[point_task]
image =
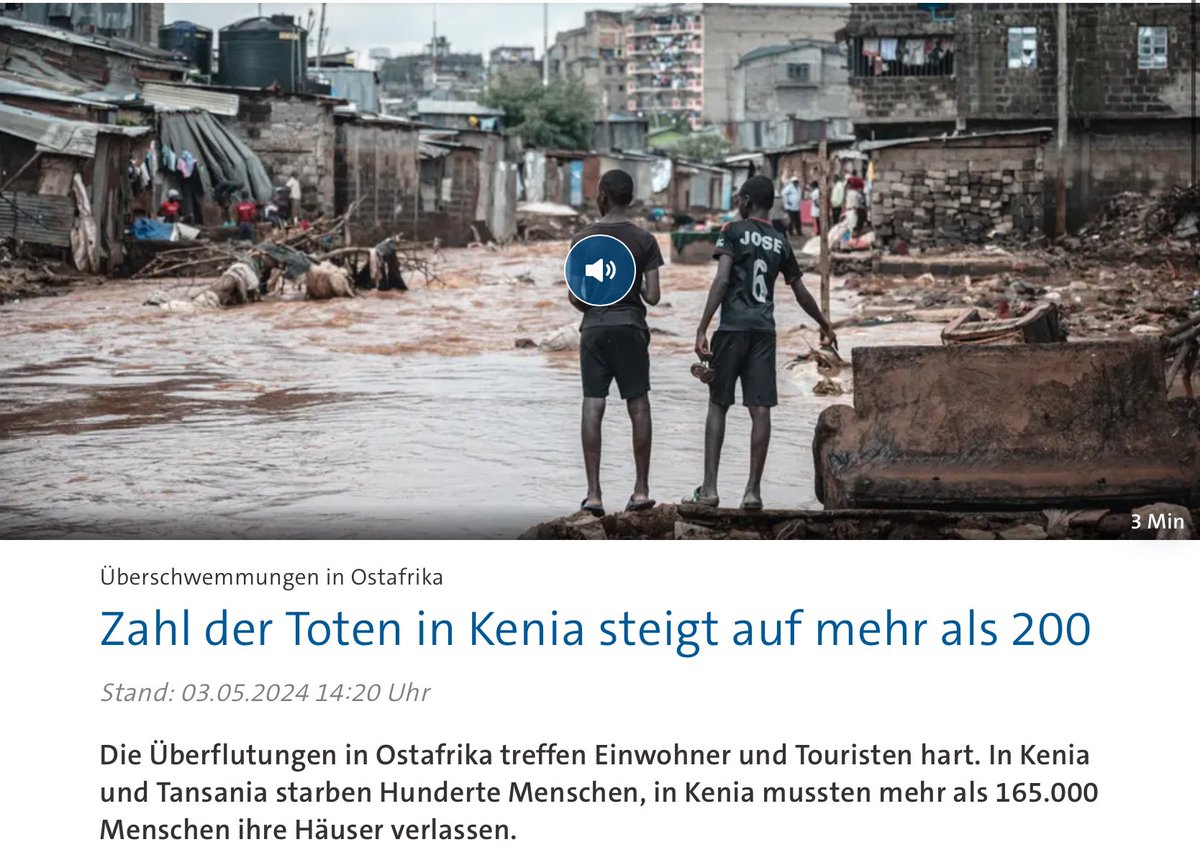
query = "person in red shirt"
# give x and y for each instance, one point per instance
(169, 209)
(245, 212)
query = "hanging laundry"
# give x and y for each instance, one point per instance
(887, 49)
(186, 164)
(914, 54)
(870, 47)
(168, 159)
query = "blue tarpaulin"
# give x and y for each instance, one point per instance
(151, 229)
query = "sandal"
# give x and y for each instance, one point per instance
(704, 372)
(644, 505)
(594, 510)
(696, 499)
(751, 504)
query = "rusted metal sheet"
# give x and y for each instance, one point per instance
(169, 97)
(1007, 427)
(41, 219)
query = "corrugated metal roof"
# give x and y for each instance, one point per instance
(56, 135)
(439, 106)
(870, 146)
(151, 56)
(432, 151)
(168, 97)
(13, 87)
(44, 219)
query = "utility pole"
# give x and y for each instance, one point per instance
(321, 37)
(433, 47)
(825, 212)
(545, 45)
(1060, 196)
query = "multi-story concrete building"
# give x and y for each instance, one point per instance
(512, 58)
(595, 54)
(992, 67)
(790, 94)
(681, 57)
(436, 73)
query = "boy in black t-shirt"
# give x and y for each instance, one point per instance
(751, 254)
(614, 342)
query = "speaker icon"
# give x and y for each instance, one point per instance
(600, 270)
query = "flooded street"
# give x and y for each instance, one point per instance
(391, 415)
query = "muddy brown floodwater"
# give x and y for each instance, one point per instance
(393, 415)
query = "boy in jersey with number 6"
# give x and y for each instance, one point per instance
(750, 255)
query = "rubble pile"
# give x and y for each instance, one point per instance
(1136, 227)
(21, 278)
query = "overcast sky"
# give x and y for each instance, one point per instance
(406, 27)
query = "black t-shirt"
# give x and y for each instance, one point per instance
(760, 254)
(630, 309)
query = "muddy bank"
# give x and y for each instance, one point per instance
(695, 522)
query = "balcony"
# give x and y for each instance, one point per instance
(656, 51)
(691, 88)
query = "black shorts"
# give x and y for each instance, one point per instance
(616, 351)
(748, 355)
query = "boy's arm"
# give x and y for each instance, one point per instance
(651, 261)
(810, 306)
(651, 292)
(716, 293)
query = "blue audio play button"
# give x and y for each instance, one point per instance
(600, 270)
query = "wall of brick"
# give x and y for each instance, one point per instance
(1113, 157)
(1104, 78)
(987, 88)
(375, 165)
(292, 133)
(967, 192)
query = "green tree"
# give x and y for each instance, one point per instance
(558, 116)
(707, 147)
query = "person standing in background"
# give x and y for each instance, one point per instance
(792, 196)
(837, 196)
(293, 186)
(816, 207)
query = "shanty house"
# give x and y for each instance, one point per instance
(44, 163)
(375, 171)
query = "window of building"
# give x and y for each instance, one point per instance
(1152, 48)
(1022, 47)
(798, 73)
(901, 56)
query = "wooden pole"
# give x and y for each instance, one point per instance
(825, 211)
(1060, 197)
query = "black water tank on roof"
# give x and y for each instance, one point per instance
(191, 40)
(260, 52)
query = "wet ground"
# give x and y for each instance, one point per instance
(391, 415)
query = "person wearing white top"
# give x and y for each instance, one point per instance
(293, 185)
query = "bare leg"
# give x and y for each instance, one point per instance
(639, 418)
(760, 440)
(714, 440)
(593, 414)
